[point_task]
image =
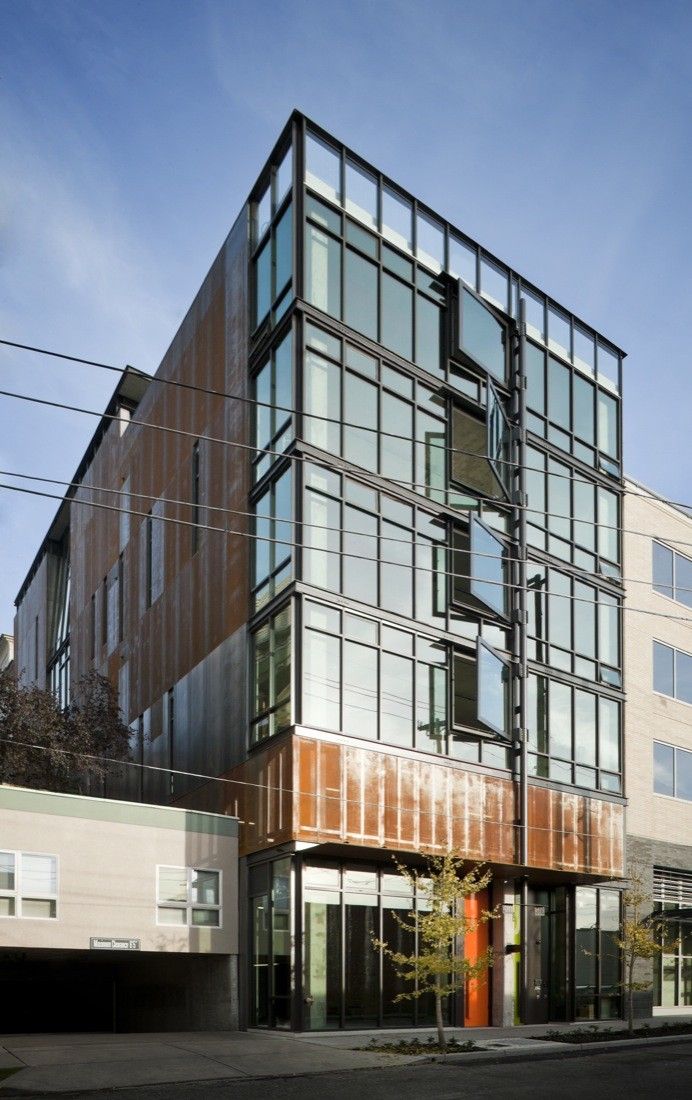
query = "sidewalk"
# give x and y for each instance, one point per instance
(71, 1063)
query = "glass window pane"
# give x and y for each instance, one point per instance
(608, 630)
(482, 336)
(663, 569)
(396, 570)
(560, 720)
(396, 700)
(494, 283)
(683, 774)
(584, 353)
(608, 542)
(360, 690)
(38, 907)
(397, 316)
(322, 523)
(361, 194)
(283, 245)
(205, 918)
(205, 887)
(608, 425)
(281, 668)
(430, 242)
(559, 331)
(535, 374)
(608, 366)
(683, 676)
(321, 679)
(320, 617)
(663, 669)
(487, 567)
(172, 916)
(558, 393)
(397, 219)
(397, 447)
(584, 620)
(683, 580)
(360, 572)
(263, 215)
(284, 176)
(322, 168)
(7, 871)
(360, 294)
(173, 884)
(585, 509)
(535, 313)
(462, 261)
(359, 629)
(431, 708)
(322, 399)
(609, 735)
(493, 678)
(583, 408)
(584, 727)
(560, 610)
(322, 271)
(360, 408)
(263, 282)
(39, 875)
(428, 334)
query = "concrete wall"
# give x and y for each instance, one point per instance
(108, 853)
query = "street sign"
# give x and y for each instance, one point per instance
(106, 943)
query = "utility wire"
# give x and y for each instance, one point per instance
(427, 543)
(253, 401)
(330, 550)
(265, 787)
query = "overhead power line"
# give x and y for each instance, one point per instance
(449, 574)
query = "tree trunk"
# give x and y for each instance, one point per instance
(438, 1017)
(630, 996)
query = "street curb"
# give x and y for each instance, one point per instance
(469, 1058)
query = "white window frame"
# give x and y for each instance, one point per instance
(188, 905)
(663, 694)
(676, 749)
(18, 893)
(676, 554)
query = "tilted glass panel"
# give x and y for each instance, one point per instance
(498, 438)
(493, 689)
(487, 568)
(481, 335)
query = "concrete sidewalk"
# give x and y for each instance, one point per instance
(73, 1063)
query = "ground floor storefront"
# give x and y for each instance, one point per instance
(313, 964)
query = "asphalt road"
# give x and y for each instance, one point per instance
(635, 1074)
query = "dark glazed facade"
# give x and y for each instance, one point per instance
(396, 629)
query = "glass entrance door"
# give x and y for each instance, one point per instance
(547, 956)
(270, 945)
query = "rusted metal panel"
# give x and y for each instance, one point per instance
(575, 832)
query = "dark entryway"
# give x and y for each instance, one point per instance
(547, 926)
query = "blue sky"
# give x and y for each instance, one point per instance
(559, 134)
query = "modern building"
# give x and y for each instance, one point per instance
(658, 669)
(115, 915)
(365, 577)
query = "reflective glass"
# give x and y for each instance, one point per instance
(608, 542)
(281, 668)
(559, 331)
(494, 283)
(482, 336)
(584, 727)
(663, 669)
(397, 316)
(560, 720)
(583, 393)
(584, 620)
(205, 887)
(7, 872)
(323, 271)
(284, 176)
(558, 393)
(584, 349)
(360, 690)
(430, 242)
(360, 409)
(397, 219)
(462, 261)
(535, 313)
(428, 334)
(608, 425)
(608, 630)
(322, 168)
(396, 688)
(584, 513)
(322, 522)
(39, 875)
(321, 692)
(361, 239)
(397, 453)
(493, 676)
(396, 573)
(263, 215)
(360, 571)
(683, 774)
(431, 708)
(560, 610)
(324, 215)
(663, 569)
(683, 676)
(172, 884)
(263, 285)
(360, 294)
(535, 375)
(609, 734)
(608, 366)
(361, 194)
(683, 580)
(323, 400)
(487, 567)
(283, 249)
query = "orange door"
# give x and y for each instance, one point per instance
(477, 999)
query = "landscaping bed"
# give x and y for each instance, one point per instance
(420, 1046)
(596, 1034)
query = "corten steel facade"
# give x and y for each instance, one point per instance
(407, 636)
(658, 655)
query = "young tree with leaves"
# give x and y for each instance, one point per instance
(71, 746)
(439, 923)
(641, 936)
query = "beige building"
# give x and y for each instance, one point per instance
(658, 728)
(115, 915)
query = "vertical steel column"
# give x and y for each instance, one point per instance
(520, 628)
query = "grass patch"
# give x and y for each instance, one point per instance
(596, 1034)
(420, 1046)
